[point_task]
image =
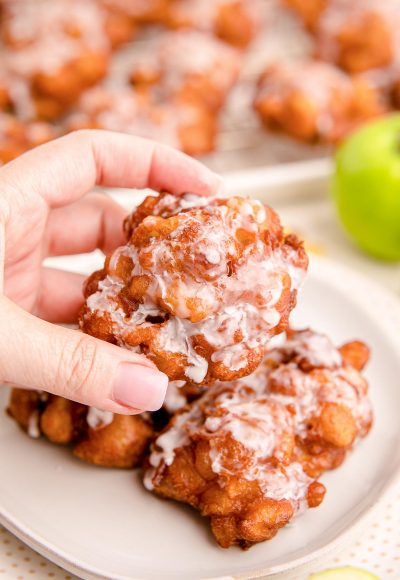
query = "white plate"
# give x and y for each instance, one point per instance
(101, 523)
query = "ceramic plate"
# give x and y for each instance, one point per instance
(101, 523)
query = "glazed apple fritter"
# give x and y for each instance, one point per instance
(248, 453)
(200, 287)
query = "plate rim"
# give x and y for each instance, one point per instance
(321, 268)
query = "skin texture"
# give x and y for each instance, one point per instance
(44, 211)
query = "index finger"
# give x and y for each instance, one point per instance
(64, 170)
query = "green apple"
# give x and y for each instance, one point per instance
(366, 187)
(345, 573)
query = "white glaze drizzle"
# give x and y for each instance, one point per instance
(228, 306)
(328, 382)
(97, 419)
(257, 423)
(174, 399)
(258, 418)
(316, 349)
(34, 425)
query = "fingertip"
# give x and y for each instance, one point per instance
(211, 184)
(174, 171)
(139, 387)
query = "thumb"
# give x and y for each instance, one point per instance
(40, 355)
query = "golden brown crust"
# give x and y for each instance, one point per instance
(121, 444)
(355, 353)
(22, 405)
(337, 425)
(63, 421)
(317, 457)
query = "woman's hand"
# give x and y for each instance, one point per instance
(44, 211)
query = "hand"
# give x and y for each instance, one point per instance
(45, 211)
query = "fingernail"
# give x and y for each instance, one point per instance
(140, 387)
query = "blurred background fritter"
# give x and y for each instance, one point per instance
(187, 72)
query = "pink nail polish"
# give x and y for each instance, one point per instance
(140, 387)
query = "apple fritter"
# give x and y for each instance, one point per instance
(98, 437)
(200, 287)
(248, 453)
(314, 102)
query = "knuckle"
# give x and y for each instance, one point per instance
(77, 367)
(84, 137)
